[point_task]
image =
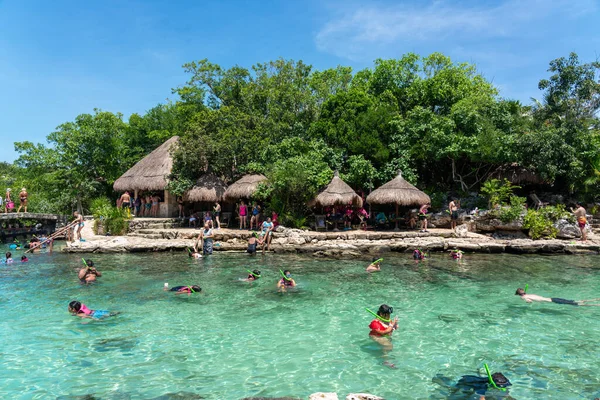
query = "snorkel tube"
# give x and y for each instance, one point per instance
(253, 274)
(378, 316)
(487, 370)
(377, 261)
(284, 277)
(191, 290)
(84, 262)
(526, 287)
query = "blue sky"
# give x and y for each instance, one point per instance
(59, 58)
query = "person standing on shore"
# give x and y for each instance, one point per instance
(79, 226)
(423, 216)
(580, 214)
(217, 211)
(180, 206)
(7, 201)
(207, 239)
(23, 199)
(453, 208)
(243, 215)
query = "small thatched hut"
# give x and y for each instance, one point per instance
(245, 187)
(208, 189)
(337, 193)
(398, 192)
(150, 174)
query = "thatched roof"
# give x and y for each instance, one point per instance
(150, 173)
(398, 191)
(517, 175)
(337, 193)
(209, 188)
(245, 187)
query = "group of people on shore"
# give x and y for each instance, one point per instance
(144, 205)
(9, 204)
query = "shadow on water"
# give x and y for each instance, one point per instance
(122, 344)
(128, 396)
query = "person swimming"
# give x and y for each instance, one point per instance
(418, 255)
(8, 259)
(530, 298)
(286, 280)
(456, 254)
(185, 289)
(24, 258)
(375, 265)
(81, 310)
(472, 384)
(253, 275)
(194, 254)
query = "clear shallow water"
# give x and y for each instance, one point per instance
(239, 340)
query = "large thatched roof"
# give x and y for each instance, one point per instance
(150, 173)
(398, 191)
(337, 193)
(209, 188)
(517, 175)
(245, 187)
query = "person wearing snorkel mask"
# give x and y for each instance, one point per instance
(375, 265)
(286, 280)
(254, 275)
(470, 386)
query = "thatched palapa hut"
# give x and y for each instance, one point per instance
(208, 189)
(150, 174)
(245, 187)
(399, 192)
(337, 193)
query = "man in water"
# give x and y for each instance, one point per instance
(581, 220)
(470, 385)
(530, 298)
(89, 273)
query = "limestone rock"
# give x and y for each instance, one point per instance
(363, 396)
(462, 231)
(323, 396)
(566, 229)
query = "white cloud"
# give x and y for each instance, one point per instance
(354, 32)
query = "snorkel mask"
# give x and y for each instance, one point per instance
(253, 274)
(491, 380)
(286, 277)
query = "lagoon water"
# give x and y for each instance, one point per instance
(237, 339)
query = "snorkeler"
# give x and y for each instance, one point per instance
(89, 273)
(530, 298)
(374, 266)
(80, 310)
(469, 385)
(418, 255)
(184, 289)
(382, 325)
(286, 280)
(253, 275)
(456, 254)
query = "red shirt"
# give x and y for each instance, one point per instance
(377, 328)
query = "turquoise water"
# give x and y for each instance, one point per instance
(238, 339)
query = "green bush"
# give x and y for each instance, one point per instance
(114, 221)
(539, 224)
(498, 192)
(513, 211)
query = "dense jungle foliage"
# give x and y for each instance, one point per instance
(442, 123)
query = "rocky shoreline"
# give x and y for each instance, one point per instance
(330, 244)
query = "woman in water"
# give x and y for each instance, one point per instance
(418, 255)
(382, 325)
(207, 239)
(286, 280)
(80, 310)
(89, 273)
(9, 259)
(456, 254)
(184, 289)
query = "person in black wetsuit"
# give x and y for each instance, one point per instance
(469, 386)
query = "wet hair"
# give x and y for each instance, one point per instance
(89, 263)
(520, 292)
(196, 288)
(375, 259)
(75, 305)
(8, 254)
(287, 271)
(256, 273)
(500, 380)
(385, 309)
(23, 257)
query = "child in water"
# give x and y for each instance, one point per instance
(254, 275)
(374, 266)
(286, 280)
(253, 241)
(184, 289)
(418, 255)
(24, 258)
(9, 259)
(80, 310)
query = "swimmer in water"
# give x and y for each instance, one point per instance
(374, 266)
(479, 385)
(254, 275)
(418, 255)
(9, 259)
(89, 273)
(185, 289)
(456, 254)
(253, 241)
(382, 325)
(80, 310)
(24, 258)
(286, 280)
(194, 254)
(530, 298)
